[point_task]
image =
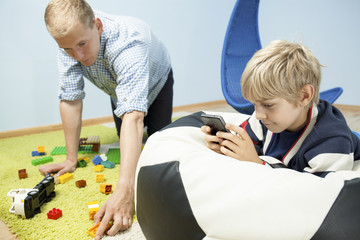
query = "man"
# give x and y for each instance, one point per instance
(121, 56)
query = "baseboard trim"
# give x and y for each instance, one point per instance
(107, 119)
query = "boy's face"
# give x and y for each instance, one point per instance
(279, 115)
(82, 43)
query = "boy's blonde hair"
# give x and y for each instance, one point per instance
(61, 15)
(281, 69)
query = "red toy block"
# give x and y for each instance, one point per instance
(54, 214)
(22, 173)
(80, 183)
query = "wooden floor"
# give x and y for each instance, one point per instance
(351, 114)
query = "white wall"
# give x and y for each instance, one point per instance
(193, 31)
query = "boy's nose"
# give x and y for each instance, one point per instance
(260, 115)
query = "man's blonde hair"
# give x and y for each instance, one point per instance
(281, 69)
(61, 15)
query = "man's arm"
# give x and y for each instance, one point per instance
(120, 205)
(71, 119)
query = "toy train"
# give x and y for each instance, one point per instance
(27, 202)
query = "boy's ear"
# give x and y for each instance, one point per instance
(307, 94)
(98, 24)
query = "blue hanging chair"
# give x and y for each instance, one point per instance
(241, 42)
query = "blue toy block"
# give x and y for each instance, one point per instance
(36, 153)
(108, 164)
(97, 160)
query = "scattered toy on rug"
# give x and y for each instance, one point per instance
(27, 202)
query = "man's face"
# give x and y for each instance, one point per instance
(82, 43)
(279, 115)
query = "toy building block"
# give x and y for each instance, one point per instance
(27, 202)
(103, 157)
(58, 151)
(99, 177)
(22, 173)
(93, 209)
(98, 168)
(41, 149)
(108, 164)
(82, 150)
(86, 159)
(42, 160)
(113, 155)
(80, 183)
(92, 231)
(36, 154)
(97, 160)
(54, 214)
(82, 163)
(105, 188)
(65, 177)
(94, 141)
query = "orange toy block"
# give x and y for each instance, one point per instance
(92, 231)
(93, 209)
(99, 177)
(41, 149)
(106, 188)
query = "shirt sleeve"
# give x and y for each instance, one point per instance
(132, 68)
(71, 77)
(330, 155)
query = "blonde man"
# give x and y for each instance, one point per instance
(122, 57)
(290, 126)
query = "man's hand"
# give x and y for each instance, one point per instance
(238, 146)
(119, 208)
(60, 168)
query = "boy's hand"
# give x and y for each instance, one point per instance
(59, 168)
(212, 142)
(238, 146)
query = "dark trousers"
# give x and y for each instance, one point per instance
(160, 111)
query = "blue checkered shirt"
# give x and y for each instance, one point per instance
(132, 66)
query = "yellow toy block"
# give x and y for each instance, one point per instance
(84, 158)
(65, 177)
(98, 168)
(41, 149)
(105, 188)
(92, 231)
(99, 177)
(93, 209)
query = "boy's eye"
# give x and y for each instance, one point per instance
(268, 105)
(82, 44)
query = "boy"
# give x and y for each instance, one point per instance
(290, 126)
(121, 56)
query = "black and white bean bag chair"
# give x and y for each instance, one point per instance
(186, 191)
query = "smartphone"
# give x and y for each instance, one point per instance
(216, 122)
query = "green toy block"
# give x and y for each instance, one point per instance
(42, 160)
(82, 163)
(82, 150)
(113, 155)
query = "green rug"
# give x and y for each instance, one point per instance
(15, 154)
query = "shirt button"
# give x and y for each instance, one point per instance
(125, 99)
